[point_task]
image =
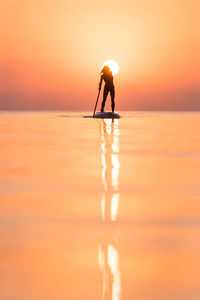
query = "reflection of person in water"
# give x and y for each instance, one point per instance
(107, 76)
(110, 164)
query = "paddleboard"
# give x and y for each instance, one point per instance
(106, 115)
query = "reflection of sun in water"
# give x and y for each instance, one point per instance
(108, 251)
(113, 65)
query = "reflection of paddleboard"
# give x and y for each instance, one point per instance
(107, 115)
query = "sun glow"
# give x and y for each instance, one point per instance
(113, 65)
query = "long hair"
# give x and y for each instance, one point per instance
(105, 70)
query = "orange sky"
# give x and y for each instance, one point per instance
(51, 53)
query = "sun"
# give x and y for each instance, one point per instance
(113, 65)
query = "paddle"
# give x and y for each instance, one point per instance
(96, 103)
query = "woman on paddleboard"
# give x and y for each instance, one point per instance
(107, 76)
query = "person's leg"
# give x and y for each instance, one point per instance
(105, 94)
(112, 94)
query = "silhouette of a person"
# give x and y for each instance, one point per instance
(107, 76)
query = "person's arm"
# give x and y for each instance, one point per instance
(100, 83)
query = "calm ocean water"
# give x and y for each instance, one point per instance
(99, 209)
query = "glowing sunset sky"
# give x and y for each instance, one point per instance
(52, 51)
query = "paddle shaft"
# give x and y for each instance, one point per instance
(96, 103)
